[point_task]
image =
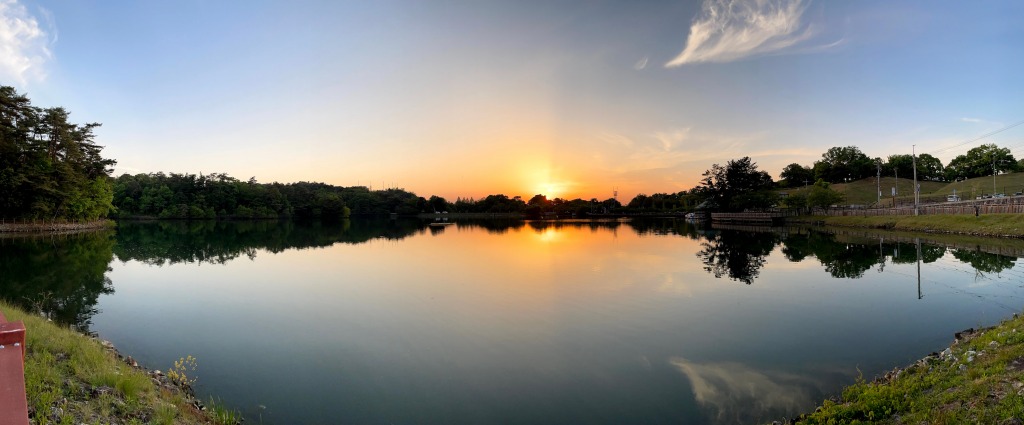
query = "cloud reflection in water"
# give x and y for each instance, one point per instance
(738, 394)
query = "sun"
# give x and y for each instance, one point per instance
(550, 190)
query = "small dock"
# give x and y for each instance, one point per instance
(770, 218)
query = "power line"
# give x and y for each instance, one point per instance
(980, 137)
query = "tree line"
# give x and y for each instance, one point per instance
(50, 168)
(740, 186)
(845, 164)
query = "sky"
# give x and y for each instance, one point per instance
(563, 98)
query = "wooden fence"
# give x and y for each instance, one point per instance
(990, 206)
(754, 217)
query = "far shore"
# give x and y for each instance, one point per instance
(52, 227)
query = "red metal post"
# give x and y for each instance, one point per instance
(13, 403)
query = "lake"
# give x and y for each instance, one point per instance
(397, 321)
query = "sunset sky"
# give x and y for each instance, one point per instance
(565, 98)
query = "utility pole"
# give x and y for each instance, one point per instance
(913, 157)
(896, 172)
(993, 174)
(878, 181)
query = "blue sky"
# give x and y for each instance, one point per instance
(518, 97)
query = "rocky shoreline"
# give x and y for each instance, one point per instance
(43, 226)
(979, 378)
(159, 379)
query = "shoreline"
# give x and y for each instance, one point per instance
(71, 377)
(52, 227)
(1005, 226)
(979, 378)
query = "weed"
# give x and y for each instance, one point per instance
(223, 415)
(183, 371)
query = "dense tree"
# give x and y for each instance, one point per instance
(929, 168)
(899, 165)
(796, 175)
(823, 196)
(902, 165)
(737, 186)
(842, 164)
(50, 168)
(188, 196)
(981, 161)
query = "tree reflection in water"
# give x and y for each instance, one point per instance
(738, 255)
(60, 277)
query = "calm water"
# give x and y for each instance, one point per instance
(381, 322)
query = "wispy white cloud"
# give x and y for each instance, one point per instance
(640, 64)
(671, 139)
(24, 45)
(969, 119)
(729, 30)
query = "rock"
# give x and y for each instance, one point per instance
(1012, 421)
(98, 391)
(962, 368)
(963, 334)
(946, 353)
(993, 344)
(57, 413)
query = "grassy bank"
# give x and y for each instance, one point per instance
(73, 379)
(978, 380)
(1002, 225)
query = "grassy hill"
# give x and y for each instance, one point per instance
(863, 192)
(1004, 183)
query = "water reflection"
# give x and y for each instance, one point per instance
(734, 393)
(738, 255)
(984, 262)
(539, 321)
(60, 277)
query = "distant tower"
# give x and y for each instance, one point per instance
(615, 194)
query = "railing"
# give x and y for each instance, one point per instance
(764, 217)
(933, 209)
(13, 403)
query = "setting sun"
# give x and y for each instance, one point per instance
(550, 190)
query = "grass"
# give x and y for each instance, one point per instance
(1002, 225)
(73, 379)
(977, 380)
(864, 191)
(1005, 183)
